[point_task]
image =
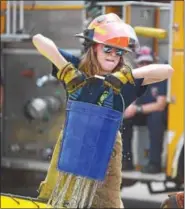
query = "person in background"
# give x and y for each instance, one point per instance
(149, 110)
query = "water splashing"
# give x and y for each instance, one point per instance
(82, 196)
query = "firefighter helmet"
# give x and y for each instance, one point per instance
(109, 29)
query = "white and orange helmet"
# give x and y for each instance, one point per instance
(110, 30)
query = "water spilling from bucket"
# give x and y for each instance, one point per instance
(84, 191)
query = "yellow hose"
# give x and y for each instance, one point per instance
(13, 201)
(151, 32)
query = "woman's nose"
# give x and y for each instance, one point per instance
(113, 53)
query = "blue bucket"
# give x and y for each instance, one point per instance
(88, 140)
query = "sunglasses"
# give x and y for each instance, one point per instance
(109, 49)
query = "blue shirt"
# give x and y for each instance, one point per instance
(153, 91)
(89, 92)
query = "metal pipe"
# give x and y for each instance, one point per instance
(27, 164)
(14, 16)
(127, 16)
(21, 15)
(8, 13)
(165, 8)
(124, 13)
(20, 51)
(170, 49)
(9, 36)
(156, 25)
(154, 4)
(103, 10)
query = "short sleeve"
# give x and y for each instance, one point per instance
(162, 88)
(140, 90)
(69, 57)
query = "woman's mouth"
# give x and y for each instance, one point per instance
(109, 60)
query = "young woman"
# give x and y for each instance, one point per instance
(107, 39)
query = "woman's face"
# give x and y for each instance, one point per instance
(107, 57)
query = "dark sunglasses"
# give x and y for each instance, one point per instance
(108, 49)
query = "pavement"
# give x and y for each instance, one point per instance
(138, 196)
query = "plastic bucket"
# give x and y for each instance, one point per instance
(88, 140)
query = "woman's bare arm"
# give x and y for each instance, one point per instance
(153, 73)
(48, 49)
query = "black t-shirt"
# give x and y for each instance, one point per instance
(89, 93)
